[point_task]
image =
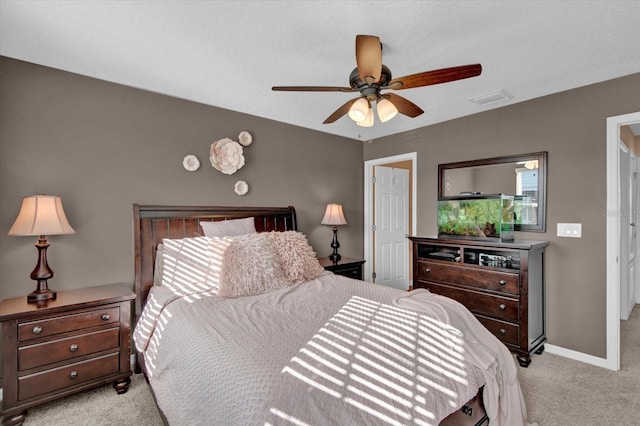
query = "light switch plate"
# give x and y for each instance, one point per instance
(570, 230)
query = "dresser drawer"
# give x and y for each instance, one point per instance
(47, 327)
(473, 277)
(67, 376)
(67, 348)
(507, 333)
(477, 302)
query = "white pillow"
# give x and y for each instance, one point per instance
(190, 265)
(251, 266)
(229, 228)
(299, 261)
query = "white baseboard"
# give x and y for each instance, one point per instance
(577, 356)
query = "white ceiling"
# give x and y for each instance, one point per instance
(230, 53)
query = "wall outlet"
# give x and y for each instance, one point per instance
(570, 230)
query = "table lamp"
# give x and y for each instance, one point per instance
(334, 216)
(41, 215)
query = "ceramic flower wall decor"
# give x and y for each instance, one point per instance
(245, 138)
(241, 187)
(226, 156)
(191, 163)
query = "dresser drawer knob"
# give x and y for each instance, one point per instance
(105, 317)
(502, 282)
(503, 331)
(73, 348)
(37, 329)
(427, 270)
(73, 375)
(502, 306)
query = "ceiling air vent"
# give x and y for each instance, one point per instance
(491, 98)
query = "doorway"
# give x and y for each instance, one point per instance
(376, 266)
(613, 220)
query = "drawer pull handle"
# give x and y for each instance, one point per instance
(503, 331)
(73, 348)
(427, 270)
(502, 306)
(502, 282)
(37, 329)
(105, 317)
(73, 375)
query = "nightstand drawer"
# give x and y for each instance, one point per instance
(47, 327)
(352, 272)
(63, 377)
(67, 348)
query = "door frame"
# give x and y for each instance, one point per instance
(612, 213)
(368, 198)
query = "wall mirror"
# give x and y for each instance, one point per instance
(524, 176)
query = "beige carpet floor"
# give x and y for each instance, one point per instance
(558, 391)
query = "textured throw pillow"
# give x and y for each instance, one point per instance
(190, 265)
(298, 258)
(229, 228)
(251, 266)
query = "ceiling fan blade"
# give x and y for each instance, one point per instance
(340, 112)
(403, 105)
(369, 58)
(428, 78)
(311, 89)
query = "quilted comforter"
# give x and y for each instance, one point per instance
(331, 350)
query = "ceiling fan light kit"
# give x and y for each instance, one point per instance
(368, 120)
(371, 76)
(359, 110)
(386, 110)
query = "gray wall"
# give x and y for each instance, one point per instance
(103, 146)
(571, 126)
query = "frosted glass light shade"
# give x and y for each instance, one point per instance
(368, 121)
(41, 215)
(386, 110)
(334, 215)
(359, 110)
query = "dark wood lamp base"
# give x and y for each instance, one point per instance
(41, 273)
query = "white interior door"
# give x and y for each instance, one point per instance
(391, 227)
(627, 231)
(633, 219)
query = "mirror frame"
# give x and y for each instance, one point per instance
(542, 182)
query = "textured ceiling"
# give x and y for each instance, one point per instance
(229, 53)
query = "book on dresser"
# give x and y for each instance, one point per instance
(501, 283)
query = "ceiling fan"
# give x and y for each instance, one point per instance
(371, 77)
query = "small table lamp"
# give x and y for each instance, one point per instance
(334, 216)
(41, 215)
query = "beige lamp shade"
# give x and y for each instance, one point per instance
(41, 215)
(334, 215)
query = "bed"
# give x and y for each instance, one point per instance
(313, 348)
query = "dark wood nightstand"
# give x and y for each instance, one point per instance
(78, 341)
(346, 266)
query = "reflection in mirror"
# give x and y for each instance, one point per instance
(523, 176)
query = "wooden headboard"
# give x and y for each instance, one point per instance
(153, 223)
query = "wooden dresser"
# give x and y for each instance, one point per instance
(78, 341)
(501, 283)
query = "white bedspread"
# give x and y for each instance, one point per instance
(329, 351)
